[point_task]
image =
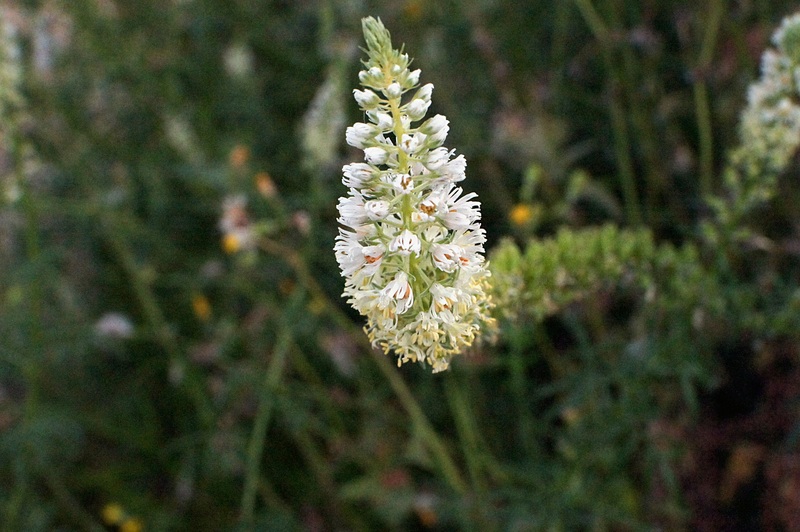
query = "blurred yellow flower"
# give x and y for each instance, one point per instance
(521, 214)
(202, 308)
(231, 243)
(316, 306)
(112, 513)
(131, 525)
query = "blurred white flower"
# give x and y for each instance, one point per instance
(238, 60)
(238, 232)
(114, 325)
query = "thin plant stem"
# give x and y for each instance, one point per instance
(593, 20)
(467, 433)
(306, 371)
(558, 50)
(325, 481)
(266, 402)
(29, 366)
(619, 124)
(642, 123)
(33, 254)
(420, 422)
(705, 137)
(622, 142)
(518, 383)
(701, 99)
(153, 315)
(70, 504)
(470, 445)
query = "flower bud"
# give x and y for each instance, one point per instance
(446, 257)
(437, 125)
(413, 78)
(417, 108)
(437, 158)
(393, 91)
(384, 121)
(403, 184)
(366, 99)
(356, 175)
(400, 291)
(359, 134)
(376, 155)
(424, 92)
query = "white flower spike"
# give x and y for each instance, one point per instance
(411, 249)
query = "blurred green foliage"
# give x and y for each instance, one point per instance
(157, 372)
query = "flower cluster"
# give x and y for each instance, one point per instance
(411, 246)
(770, 126)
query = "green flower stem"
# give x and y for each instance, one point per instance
(558, 50)
(467, 431)
(470, 446)
(325, 482)
(421, 424)
(621, 144)
(69, 504)
(307, 372)
(593, 20)
(619, 124)
(642, 122)
(418, 418)
(706, 140)
(701, 99)
(266, 402)
(31, 368)
(402, 156)
(153, 316)
(517, 363)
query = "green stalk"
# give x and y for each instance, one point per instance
(705, 137)
(642, 123)
(153, 316)
(31, 369)
(70, 504)
(701, 99)
(325, 481)
(516, 368)
(467, 432)
(266, 402)
(30, 366)
(558, 50)
(619, 123)
(419, 420)
(311, 376)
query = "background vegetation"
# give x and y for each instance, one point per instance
(162, 371)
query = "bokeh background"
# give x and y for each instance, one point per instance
(174, 351)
